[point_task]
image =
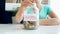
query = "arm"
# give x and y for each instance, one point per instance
(53, 21)
(19, 15)
(53, 15)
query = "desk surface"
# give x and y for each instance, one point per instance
(17, 29)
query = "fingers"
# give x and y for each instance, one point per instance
(32, 1)
(26, 3)
(36, 1)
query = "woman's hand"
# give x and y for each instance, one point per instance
(36, 1)
(38, 4)
(26, 3)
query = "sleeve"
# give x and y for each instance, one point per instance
(48, 10)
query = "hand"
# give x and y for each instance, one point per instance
(38, 4)
(26, 3)
(36, 1)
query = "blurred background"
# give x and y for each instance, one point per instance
(11, 8)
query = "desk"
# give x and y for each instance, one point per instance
(17, 29)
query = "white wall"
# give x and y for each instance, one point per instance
(11, 6)
(55, 5)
